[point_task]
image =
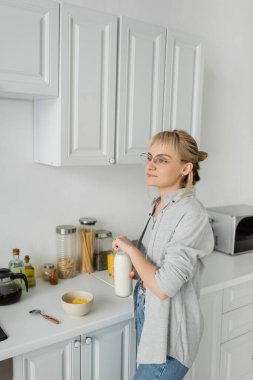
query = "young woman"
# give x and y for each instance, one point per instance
(167, 260)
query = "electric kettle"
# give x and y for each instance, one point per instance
(10, 289)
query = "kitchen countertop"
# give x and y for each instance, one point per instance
(223, 271)
(28, 332)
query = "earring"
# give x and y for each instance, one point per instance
(182, 174)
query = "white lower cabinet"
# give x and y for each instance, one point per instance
(109, 354)
(106, 354)
(226, 349)
(237, 358)
(55, 362)
(237, 333)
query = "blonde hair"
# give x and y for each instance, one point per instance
(187, 149)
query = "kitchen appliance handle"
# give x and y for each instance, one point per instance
(51, 319)
(22, 276)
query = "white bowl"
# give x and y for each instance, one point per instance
(77, 309)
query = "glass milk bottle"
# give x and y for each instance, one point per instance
(122, 268)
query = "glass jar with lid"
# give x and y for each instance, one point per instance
(66, 251)
(47, 270)
(103, 246)
(87, 241)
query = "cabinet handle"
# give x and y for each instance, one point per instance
(88, 340)
(111, 161)
(77, 343)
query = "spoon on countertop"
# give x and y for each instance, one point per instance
(51, 319)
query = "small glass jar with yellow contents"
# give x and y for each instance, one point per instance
(110, 262)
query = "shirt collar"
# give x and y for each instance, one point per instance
(176, 195)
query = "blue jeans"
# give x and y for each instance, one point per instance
(172, 369)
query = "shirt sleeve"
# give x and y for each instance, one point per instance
(191, 241)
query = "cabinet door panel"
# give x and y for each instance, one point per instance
(237, 358)
(140, 88)
(89, 43)
(183, 85)
(106, 354)
(56, 362)
(237, 322)
(238, 296)
(29, 37)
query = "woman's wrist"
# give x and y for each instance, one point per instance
(132, 251)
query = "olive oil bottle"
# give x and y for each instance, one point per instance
(29, 272)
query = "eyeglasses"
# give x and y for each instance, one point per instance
(159, 160)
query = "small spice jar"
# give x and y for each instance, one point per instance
(103, 246)
(53, 278)
(110, 263)
(66, 251)
(47, 270)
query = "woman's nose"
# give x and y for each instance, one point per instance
(151, 164)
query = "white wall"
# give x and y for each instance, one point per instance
(35, 198)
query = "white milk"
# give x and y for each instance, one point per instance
(122, 281)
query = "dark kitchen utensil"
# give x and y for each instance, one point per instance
(3, 336)
(51, 319)
(10, 290)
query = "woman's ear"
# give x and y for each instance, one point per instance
(187, 168)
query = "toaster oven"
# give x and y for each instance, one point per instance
(232, 228)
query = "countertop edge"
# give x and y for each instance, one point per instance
(23, 349)
(224, 285)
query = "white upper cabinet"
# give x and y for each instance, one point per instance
(79, 127)
(88, 79)
(121, 82)
(29, 41)
(183, 83)
(142, 50)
